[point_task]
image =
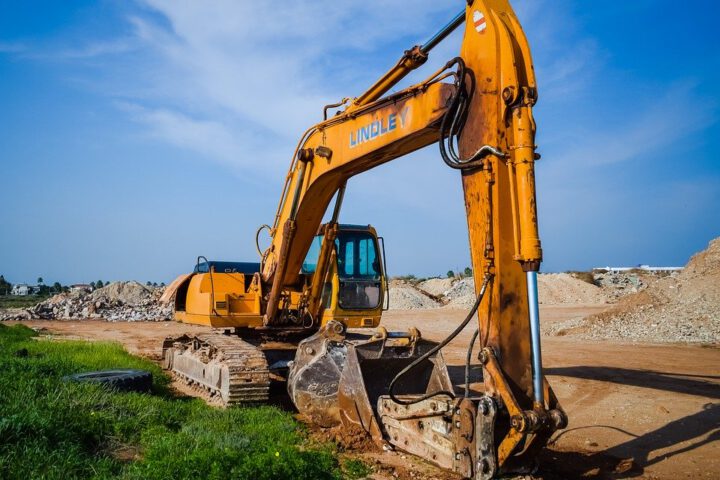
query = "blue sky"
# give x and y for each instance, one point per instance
(136, 135)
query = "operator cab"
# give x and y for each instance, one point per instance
(360, 280)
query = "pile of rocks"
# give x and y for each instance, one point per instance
(553, 289)
(407, 296)
(564, 288)
(119, 301)
(684, 307)
(436, 286)
(461, 294)
(619, 284)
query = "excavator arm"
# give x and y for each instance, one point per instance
(334, 151)
(478, 108)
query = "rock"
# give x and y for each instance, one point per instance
(682, 307)
(119, 301)
(406, 296)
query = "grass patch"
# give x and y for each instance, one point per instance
(355, 469)
(20, 301)
(51, 429)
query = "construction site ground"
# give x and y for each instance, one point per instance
(636, 410)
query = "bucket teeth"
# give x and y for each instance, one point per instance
(224, 366)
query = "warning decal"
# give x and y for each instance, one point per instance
(479, 21)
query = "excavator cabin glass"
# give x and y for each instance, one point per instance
(358, 269)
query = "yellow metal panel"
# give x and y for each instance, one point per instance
(225, 321)
(172, 288)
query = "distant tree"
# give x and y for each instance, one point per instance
(57, 287)
(43, 290)
(148, 283)
(99, 284)
(155, 284)
(40, 281)
(468, 271)
(162, 284)
(450, 274)
(5, 286)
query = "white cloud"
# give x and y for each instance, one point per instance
(649, 127)
(266, 63)
(209, 138)
(97, 49)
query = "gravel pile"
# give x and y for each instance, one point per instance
(553, 289)
(461, 294)
(119, 301)
(680, 308)
(436, 286)
(563, 288)
(406, 296)
(619, 284)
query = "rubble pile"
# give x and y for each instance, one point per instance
(118, 301)
(436, 286)
(406, 296)
(620, 284)
(563, 288)
(461, 294)
(683, 307)
(553, 289)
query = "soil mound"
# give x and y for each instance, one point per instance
(461, 294)
(127, 293)
(553, 289)
(563, 288)
(119, 301)
(680, 308)
(405, 296)
(436, 286)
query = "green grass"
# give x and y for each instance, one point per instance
(17, 301)
(355, 469)
(52, 429)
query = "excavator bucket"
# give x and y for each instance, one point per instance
(335, 380)
(315, 374)
(371, 367)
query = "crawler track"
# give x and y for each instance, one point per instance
(225, 366)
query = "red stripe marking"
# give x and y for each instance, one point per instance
(480, 22)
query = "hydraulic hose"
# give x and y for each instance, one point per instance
(467, 362)
(435, 349)
(454, 120)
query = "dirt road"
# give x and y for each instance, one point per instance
(636, 411)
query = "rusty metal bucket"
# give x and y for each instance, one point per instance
(371, 366)
(333, 380)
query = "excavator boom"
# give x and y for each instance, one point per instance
(478, 108)
(395, 387)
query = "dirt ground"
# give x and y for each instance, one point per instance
(636, 410)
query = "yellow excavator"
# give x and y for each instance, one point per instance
(314, 282)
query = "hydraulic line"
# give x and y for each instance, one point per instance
(467, 362)
(444, 32)
(212, 284)
(435, 349)
(454, 120)
(410, 60)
